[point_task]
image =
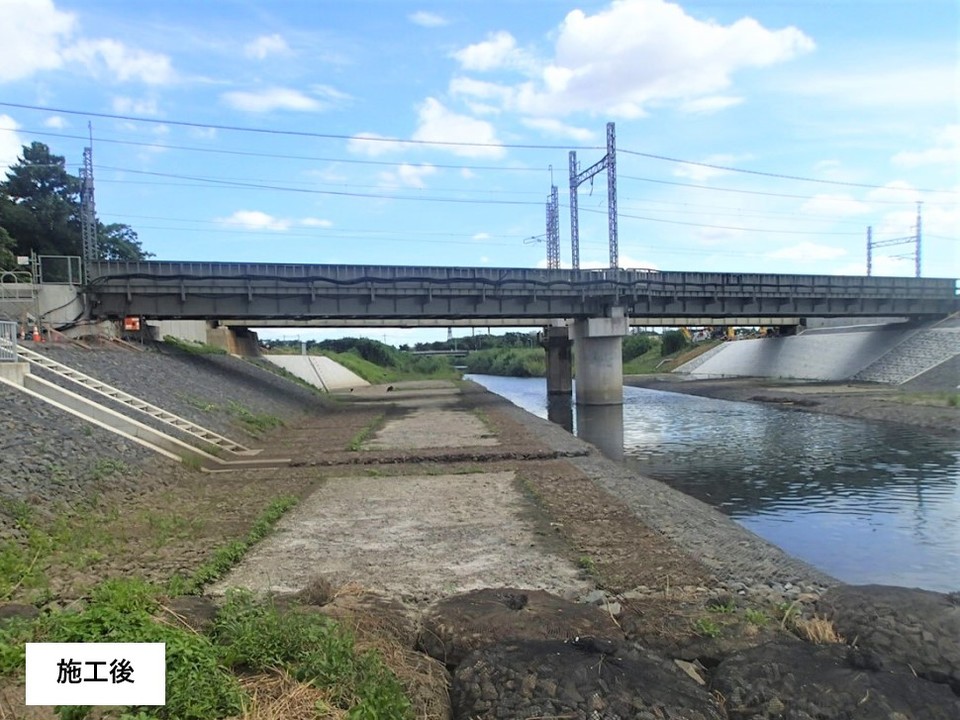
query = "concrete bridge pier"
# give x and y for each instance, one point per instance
(598, 349)
(557, 344)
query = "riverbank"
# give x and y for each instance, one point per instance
(447, 518)
(926, 408)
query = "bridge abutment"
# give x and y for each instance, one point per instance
(598, 349)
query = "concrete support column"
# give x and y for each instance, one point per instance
(557, 344)
(598, 348)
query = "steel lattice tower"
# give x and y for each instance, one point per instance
(553, 229)
(608, 163)
(88, 213)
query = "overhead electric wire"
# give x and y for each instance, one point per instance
(450, 143)
(277, 156)
(309, 191)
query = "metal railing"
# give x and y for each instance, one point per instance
(8, 341)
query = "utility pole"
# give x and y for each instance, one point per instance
(88, 214)
(915, 240)
(608, 163)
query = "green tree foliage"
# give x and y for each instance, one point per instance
(119, 242)
(636, 345)
(673, 341)
(40, 211)
(7, 259)
(514, 362)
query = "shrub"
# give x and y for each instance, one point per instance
(673, 341)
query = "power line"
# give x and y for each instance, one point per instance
(450, 143)
(275, 156)
(311, 191)
(760, 192)
(293, 133)
(779, 176)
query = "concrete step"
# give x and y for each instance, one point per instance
(158, 413)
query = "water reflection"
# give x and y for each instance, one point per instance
(864, 502)
(602, 426)
(560, 411)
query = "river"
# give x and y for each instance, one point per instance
(864, 502)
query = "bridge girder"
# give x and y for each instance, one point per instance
(265, 293)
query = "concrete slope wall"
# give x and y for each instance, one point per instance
(319, 371)
(834, 354)
(926, 350)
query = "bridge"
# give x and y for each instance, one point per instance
(600, 303)
(273, 292)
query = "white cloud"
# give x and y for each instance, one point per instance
(710, 104)
(807, 252)
(467, 174)
(255, 220)
(316, 222)
(56, 122)
(132, 106)
(427, 19)
(555, 127)
(702, 173)
(11, 143)
(440, 125)
(481, 236)
(408, 176)
(633, 53)
(122, 63)
(498, 51)
(265, 45)
(270, 99)
(946, 151)
(36, 36)
(373, 145)
(31, 35)
(837, 205)
(910, 85)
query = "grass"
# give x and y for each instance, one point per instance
(587, 564)
(230, 554)
(357, 441)
(218, 674)
(653, 362)
(194, 348)
(254, 423)
(756, 617)
(930, 399)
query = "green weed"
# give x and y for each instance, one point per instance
(707, 627)
(756, 617)
(356, 443)
(230, 554)
(254, 423)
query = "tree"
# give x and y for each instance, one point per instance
(41, 211)
(119, 242)
(7, 259)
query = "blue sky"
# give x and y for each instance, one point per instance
(859, 95)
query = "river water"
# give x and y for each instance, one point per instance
(864, 502)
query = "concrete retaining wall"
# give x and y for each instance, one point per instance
(321, 372)
(830, 354)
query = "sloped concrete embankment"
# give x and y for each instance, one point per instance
(880, 353)
(50, 459)
(319, 371)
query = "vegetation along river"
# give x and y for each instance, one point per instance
(864, 502)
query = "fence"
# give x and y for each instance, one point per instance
(8, 341)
